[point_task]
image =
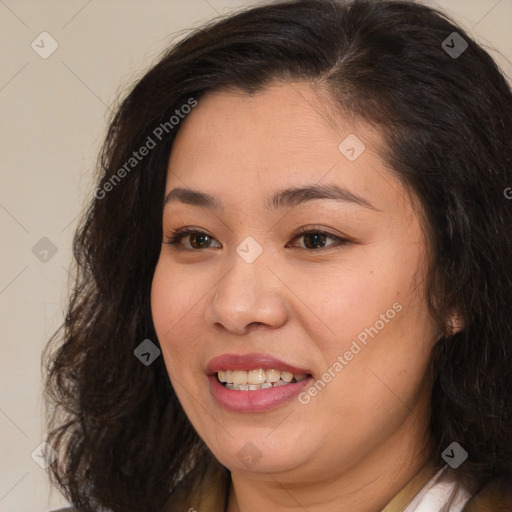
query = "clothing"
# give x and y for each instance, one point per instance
(428, 491)
(425, 492)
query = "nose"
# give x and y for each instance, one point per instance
(249, 295)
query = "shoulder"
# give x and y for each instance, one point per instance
(496, 496)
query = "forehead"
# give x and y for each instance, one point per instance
(290, 119)
(247, 145)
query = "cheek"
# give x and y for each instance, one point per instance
(161, 302)
(385, 346)
(172, 300)
(172, 306)
(167, 309)
(376, 315)
(347, 301)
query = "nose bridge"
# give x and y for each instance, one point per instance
(248, 293)
(248, 268)
(244, 283)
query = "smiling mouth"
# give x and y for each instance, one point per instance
(252, 380)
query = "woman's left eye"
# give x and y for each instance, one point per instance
(314, 239)
(314, 236)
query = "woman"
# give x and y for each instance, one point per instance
(219, 352)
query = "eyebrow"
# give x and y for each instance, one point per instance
(288, 197)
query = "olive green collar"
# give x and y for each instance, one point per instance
(411, 489)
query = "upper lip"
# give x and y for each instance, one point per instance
(250, 362)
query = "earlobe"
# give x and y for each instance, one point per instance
(451, 326)
(455, 324)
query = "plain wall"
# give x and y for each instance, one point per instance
(54, 113)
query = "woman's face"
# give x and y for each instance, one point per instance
(351, 315)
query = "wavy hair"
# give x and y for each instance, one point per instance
(122, 437)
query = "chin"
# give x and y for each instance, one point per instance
(258, 454)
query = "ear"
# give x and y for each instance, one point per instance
(455, 324)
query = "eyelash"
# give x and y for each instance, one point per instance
(175, 237)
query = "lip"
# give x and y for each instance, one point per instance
(260, 399)
(254, 401)
(251, 362)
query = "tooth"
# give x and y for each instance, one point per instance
(256, 376)
(273, 375)
(239, 377)
(253, 380)
(287, 376)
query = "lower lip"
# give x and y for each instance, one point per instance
(257, 400)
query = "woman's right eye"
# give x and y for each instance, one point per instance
(197, 239)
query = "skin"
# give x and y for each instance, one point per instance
(359, 441)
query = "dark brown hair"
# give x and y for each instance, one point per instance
(122, 436)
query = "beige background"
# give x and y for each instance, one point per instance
(54, 114)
